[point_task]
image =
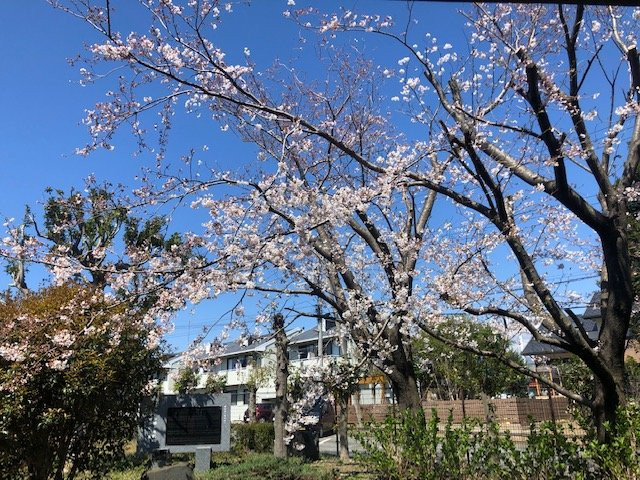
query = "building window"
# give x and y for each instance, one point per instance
(235, 363)
(239, 397)
(308, 351)
(332, 348)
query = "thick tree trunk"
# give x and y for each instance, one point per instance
(253, 390)
(341, 424)
(606, 400)
(405, 387)
(282, 374)
(39, 470)
(40, 463)
(402, 374)
(615, 309)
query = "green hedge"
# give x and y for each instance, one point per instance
(266, 467)
(410, 447)
(255, 437)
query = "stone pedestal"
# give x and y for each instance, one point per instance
(203, 459)
(160, 458)
(180, 471)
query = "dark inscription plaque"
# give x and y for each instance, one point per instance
(194, 425)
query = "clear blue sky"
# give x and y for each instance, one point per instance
(43, 103)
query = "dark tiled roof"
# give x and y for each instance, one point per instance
(589, 320)
(535, 347)
(593, 309)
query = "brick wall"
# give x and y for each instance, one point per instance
(509, 410)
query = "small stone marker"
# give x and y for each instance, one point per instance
(203, 459)
(160, 458)
(179, 471)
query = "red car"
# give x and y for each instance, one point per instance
(264, 412)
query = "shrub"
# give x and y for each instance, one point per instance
(215, 383)
(255, 437)
(79, 415)
(186, 380)
(411, 447)
(266, 467)
(551, 454)
(619, 458)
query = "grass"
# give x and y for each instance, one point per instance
(267, 467)
(234, 466)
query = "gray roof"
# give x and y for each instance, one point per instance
(235, 348)
(593, 309)
(534, 347)
(310, 335)
(590, 321)
(232, 348)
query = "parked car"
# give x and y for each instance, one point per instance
(264, 412)
(310, 436)
(325, 413)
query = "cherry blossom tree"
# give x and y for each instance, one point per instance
(309, 220)
(538, 172)
(94, 240)
(527, 144)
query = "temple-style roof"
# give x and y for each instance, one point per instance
(590, 321)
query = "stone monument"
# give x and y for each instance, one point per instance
(190, 423)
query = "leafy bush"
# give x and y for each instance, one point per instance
(265, 467)
(410, 447)
(215, 383)
(414, 448)
(621, 457)
(186, 381)
(80, 415)
(255, 437)
(552, 454)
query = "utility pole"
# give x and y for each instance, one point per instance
(320, 339)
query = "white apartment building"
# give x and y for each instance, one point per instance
(235, 364)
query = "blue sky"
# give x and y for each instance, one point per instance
(43, 102)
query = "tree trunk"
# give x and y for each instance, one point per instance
(615, 310)
(341, 423)
(464, 405)
(488, 407)
(402, 373)
(39, 469)
(253, 390)
(355, 399)
(405, 387)
(608, 396)
(282, 374)
(40, 462)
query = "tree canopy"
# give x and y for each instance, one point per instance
(73, 388)
(451, 373)
(534, 173)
